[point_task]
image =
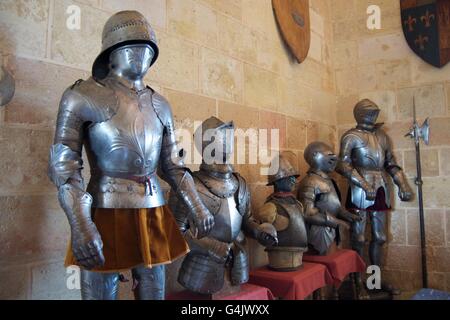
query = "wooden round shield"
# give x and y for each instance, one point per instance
(293, 20)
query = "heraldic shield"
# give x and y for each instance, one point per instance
(426, 25)
(293, 20)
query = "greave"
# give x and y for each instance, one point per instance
(99, 286)
(149, 283)
(376, 253)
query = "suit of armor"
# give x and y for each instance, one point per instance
(128, 133)
(285, 214)
(366, 160)
(225, 193)
(319, 195)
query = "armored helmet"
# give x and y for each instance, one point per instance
(320, 156)
(366, 112)
(212, 129)
(285, 169)
(123, 28)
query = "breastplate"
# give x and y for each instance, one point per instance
(369, 153)
(295, 235)
(227, 221)
(123, 153)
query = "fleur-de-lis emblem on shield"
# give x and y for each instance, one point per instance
(420, 41)
(428, 18)
(410, 23)
(426, 26)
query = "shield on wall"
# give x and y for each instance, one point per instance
(293, 20)
(426, 25)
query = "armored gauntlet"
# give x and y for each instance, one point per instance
(64, 171)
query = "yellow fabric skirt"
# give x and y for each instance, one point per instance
(134, 237)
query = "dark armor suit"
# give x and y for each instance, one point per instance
(225, 193)
(128, 133)
(366, 160)
(319, 195)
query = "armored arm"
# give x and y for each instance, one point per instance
(179, 211)
(176, 174)
(348, 216)
(345, 168)
(309, 189)
(218, 250)
(65, 165)
(307, 197)
(323, 220)
(264, 233)
(396, 172)
(266, 217)
(243, 200)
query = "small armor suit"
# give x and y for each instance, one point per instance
(282, 216)
(221, 256)
(319, 195)
(366, 160)
(120, 221)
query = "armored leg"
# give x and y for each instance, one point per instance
(378, 221)
(99, 286)
(357, 241)
(378, 237)
(357, 233)
(149, 283)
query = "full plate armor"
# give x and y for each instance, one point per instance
(366, 159)
(128, 133)
(221, 256)
(320, 196)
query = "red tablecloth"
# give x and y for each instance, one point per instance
(340, 264)
(296, 285)
(248, 292)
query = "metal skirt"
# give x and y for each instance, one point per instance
(134, 237)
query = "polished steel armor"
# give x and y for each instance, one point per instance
(366, 159)
(368, 154)
(285, 169)
(128, 133)
(319, 196)
(294, 234)
(225, 193)
(124, 28)
(204, 267)
(282, 217)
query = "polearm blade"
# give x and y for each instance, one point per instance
(418, 133)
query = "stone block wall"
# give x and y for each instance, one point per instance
(222, 58)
